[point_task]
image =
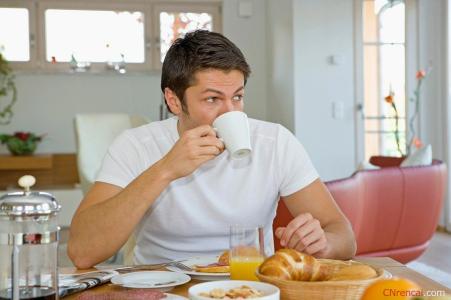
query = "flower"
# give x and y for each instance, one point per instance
(421, 74)
(390, 99)
(417, 143)
(413, 141)
(21, 143)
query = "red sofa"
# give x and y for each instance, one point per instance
(394, 211)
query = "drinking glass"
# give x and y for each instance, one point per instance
(246, 251)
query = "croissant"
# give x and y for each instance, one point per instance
(290, 264)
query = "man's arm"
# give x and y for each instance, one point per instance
(108, 214)
(319, 227)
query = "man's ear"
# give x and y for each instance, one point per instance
(173, 101)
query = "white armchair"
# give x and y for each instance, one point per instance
(94, 134)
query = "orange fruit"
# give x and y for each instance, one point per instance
(392, 289)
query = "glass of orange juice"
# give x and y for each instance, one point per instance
(246, 251)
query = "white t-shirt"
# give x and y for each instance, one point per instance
(193, 214)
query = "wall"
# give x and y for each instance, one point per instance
(280, 63)
(48, 103)
(447, 91)
(432, 30)
(434, 104)
(322, 29)
(249, 34)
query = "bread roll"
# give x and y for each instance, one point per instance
(290, 264)
(354, 272)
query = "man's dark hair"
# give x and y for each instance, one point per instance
(199, 50)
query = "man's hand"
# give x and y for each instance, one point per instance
(194, 147)
(303, 233)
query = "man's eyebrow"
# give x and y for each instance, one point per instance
(212, 90)
(239, 89)
(219, 92)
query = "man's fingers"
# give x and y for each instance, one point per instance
(208, 150)
(279, 232)
(293, 226)
(310, 238)
(316, 247)
(304, 231)
(211, 141)
(301, 233)
(203, 130)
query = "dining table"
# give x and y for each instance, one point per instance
(394, 267)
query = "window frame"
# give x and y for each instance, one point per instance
(96, 67)
(411, 64)
(212, 8)
(32, 33)
(150, 8)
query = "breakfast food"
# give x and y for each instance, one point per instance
(224, 258)
(243, 292)
(290, 264)
(221, 266)
(354, 272)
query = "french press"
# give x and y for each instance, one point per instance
(28, 244)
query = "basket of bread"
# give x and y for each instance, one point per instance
(301, 276)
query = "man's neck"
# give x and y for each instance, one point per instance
(180, 127)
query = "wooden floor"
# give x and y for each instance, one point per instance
(435, 262)
(438, 254)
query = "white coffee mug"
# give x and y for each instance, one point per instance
(233, 128)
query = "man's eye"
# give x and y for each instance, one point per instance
(237, 97)
(211, 99)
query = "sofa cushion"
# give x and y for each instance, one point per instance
(366, 165)
(421, 157)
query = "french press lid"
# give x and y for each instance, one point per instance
(27, 203)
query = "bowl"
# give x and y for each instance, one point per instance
(323, 290)
(270, 292)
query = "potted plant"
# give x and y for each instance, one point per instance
(8, 91)
(21, 143)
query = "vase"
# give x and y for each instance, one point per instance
(19, 147)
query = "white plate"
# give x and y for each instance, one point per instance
(386, 274)
(204, 260)
(174, 297)
(270, 292)
(151, 280)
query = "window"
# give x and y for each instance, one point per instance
(15, 44)
(98, 35)
(384, 75)
(94, 36)
(176, 20)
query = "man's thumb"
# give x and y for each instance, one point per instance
(279, 232)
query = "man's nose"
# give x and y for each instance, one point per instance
(228, 106)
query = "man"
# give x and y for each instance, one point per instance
(172, 185)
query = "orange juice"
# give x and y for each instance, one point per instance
(243, 268)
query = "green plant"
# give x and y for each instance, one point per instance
(7, 89)
(21, 143)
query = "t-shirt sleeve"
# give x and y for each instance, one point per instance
(295, 168)
(122, 162)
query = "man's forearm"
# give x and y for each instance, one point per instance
(341, 241)
(99, 231)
